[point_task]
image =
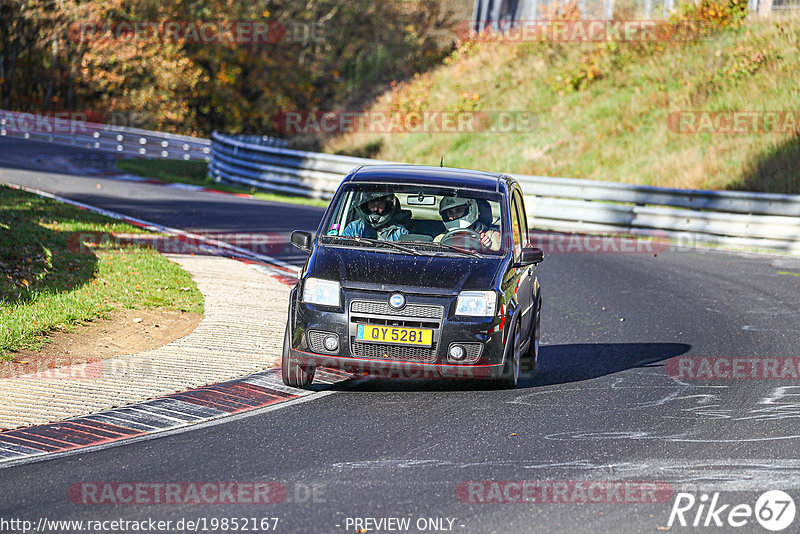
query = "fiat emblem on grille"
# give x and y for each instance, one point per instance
(397, 301)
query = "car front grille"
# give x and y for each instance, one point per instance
(422, 311)
(412, 315)
(393, 352)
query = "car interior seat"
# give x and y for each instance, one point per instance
(484, 211)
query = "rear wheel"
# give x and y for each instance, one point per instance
(292, 372)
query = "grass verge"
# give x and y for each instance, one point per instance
(196, 173)
(603, 110)
(55, 272)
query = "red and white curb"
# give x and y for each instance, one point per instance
(172, 412)
(164, 414)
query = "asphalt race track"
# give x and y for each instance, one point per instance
(190, 210)
(602, 407)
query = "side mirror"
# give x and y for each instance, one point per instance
(302, 240)
(531, 256)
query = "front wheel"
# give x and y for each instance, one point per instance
(510, 377)
(293, 373)
(532, 354)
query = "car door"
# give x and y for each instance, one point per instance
(519, 230)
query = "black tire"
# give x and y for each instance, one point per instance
(294, 374)
(531, 355)
(510, 377)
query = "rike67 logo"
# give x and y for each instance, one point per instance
(774, 510)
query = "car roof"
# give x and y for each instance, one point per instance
(428, 175)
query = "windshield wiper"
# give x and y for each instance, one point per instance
(407, 250)
(455, 248)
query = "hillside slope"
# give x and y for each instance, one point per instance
(607, 111)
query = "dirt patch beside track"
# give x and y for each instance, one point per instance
(124, 332)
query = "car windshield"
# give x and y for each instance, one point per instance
(426, 219)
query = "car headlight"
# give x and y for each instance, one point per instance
(477, 303)
(324, 292)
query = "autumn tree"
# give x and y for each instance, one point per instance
(322, 54)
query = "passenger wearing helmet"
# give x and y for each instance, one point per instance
(464, 213)
(380, 217)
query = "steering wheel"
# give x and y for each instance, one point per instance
(470, 239)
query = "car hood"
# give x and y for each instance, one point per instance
(381, 271)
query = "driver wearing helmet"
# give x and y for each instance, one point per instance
(380, 217)
(463, 213)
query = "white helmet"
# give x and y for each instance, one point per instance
(466, 220)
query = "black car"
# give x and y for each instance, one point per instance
(417, 272)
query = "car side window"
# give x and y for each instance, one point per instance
(522, 217)
(345, 215)
(515, 229)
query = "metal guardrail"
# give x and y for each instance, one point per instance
(728, 218)
(105, 137)
(731, 219)
(296, 172)
(780, 5)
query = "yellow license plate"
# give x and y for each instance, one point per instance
(394, 335)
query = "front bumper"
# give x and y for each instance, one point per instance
(484, 337)
(397, 368)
